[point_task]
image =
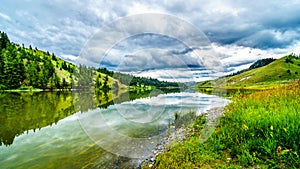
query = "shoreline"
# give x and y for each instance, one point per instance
(177, 136)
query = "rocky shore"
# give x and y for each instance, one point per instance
(182, 133)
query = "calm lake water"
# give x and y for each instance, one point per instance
(88, 130)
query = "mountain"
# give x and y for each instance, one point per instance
(273, 72)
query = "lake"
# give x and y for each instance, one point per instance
(89, 130)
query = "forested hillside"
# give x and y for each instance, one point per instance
(22, 67)
(131, 80)
(29, 68)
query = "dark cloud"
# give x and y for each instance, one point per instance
(270, 39)
(148, 40)
(64, 27)
(182, 52)
(239, 63)
(224, 22)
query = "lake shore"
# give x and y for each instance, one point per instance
(178, 135)
(257, 130)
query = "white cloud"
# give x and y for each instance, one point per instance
(139, 8)
(4, 16)
(71, 58)
(236, 58)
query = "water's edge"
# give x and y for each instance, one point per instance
(178, 135)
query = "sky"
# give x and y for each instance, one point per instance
(174, 40)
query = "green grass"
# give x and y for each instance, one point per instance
(184, 120)
(279, 72)
(258, 130)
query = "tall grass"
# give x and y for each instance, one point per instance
(260, 130)
(264, 128)
(184, 119)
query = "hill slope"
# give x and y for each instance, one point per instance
(279, 71)
(23, 68)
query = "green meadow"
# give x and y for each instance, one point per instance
(257, 130)
(277, 73)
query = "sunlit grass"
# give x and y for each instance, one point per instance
(276, 74)
(260, 130)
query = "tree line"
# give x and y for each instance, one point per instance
(131, 80)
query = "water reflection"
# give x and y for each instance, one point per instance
(108, 130)
(133, 128)
(21, 112)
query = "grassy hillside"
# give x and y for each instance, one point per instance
(281, 71)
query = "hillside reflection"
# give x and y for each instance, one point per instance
(21, 112)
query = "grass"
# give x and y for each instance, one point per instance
(275, 74)
(184, 120)
(258, 130)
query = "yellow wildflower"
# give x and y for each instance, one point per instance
(245, 127)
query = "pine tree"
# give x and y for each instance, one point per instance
(64, 83)
(44, 77)
(20, 70)
(105, 83)
(98, 82)
(54, 57)
(1, 69)
(33, 74)
(3, 40)
(57, 81)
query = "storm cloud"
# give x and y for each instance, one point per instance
(240, 31)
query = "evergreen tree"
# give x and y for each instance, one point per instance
(12, 69)
(64, 83)
(57, 81)
(54, 57)
(33, 74)
(64, 65)
(3, 40)
(105, 83)
(44, 74)
(1, 69)
(20, 70)
(98, 82)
